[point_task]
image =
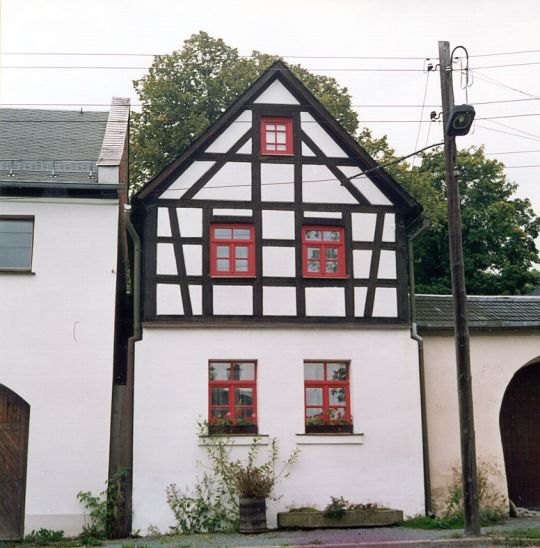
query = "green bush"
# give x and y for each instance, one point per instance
(44, 537)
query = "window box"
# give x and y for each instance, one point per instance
(329, 428)
(323, 252)
(232, 429)
(276, 136)
(232, 250)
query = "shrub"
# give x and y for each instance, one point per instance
(212, 504)
(44, 537)
(103, 509)
(493, 504)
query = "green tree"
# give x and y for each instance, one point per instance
(186, 91)
(498, 229)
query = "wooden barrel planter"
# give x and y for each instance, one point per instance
(252, 515)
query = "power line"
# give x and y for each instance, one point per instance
(496, 82)
(147, 54)
(375, 121)
(505, 132)
(510, 152)
(126, 54)
(508, 65)
(124, 67)
(380, 105)
(514, 129)
(506, 53)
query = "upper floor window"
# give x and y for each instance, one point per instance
(232, 397)
(16, 240)
(323, 251)
(232, 250)
(327, 397)
(276, 136)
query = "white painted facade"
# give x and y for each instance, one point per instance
(495, 357)
(381, 462)
(56, 340)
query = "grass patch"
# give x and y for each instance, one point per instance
(525, 533)
(426, 522)
(452, 521)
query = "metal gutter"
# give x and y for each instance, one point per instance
(34, 184)
(421, 370)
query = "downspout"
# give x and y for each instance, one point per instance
(421, 369)
(137, 336)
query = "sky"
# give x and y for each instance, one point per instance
(331, 37)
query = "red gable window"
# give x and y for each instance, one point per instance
(232, 250)
(232, 396)
(327, 397)
(276, 136)
(323, 251)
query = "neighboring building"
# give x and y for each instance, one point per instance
(505, 367)
(63, 175)
(275, 301)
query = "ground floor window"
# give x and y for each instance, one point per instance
(327, 397)
(232, 397)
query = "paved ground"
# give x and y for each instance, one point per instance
(384, 536)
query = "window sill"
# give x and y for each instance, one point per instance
(238, 440)
(329, 439)
(233, 276)
(17, 272)
(322, 277)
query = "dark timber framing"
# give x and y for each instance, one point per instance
(150, 198)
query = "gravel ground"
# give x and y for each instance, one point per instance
(334, 537)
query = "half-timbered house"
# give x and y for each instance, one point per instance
(275, 302)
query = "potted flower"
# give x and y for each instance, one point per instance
(254, 483)
(232, 425)
(329, 423)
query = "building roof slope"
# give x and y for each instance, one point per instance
(33, 134)
(57, 147)
(436, 311)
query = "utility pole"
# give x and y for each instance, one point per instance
(461, 328)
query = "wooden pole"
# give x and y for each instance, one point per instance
(461, 328)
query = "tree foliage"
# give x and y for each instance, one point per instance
(498, 228)
(186, 91)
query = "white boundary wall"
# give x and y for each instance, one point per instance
(171, 395)
(495, 358)
(56, 341)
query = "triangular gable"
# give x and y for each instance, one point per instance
(321, 135)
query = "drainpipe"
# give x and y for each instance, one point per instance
(137, 336)
(421, 369)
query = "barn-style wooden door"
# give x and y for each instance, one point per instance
(14, 421)
(520, 433)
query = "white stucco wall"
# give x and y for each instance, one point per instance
(56, 341)
(171, 395)
(495, 358)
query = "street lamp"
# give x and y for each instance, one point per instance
(460, 120)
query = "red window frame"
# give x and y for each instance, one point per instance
(316, 252)
(232, 414)
(227, 255)
(271, 135)
(332, 414)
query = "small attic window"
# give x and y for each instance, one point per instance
(276, 136)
